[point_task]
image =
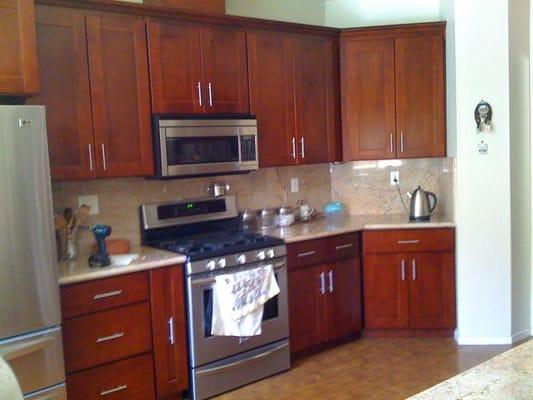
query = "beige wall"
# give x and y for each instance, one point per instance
(301, 11)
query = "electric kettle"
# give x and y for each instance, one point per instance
(422, 204)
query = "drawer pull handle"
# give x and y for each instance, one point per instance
(307, 254)
(108, 294)
(344, 246)
(114, 390)
(110, 337)
(408, 241)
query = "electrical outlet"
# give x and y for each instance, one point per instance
(394, 178)
(91, 201)
(295, 185)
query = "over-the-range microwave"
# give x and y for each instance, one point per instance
(197, 145)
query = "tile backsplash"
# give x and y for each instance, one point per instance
(362, 186)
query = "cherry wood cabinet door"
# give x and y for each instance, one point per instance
(316, 99)
(344, 298)
(63, 65)
(432, 290)
(169, 331)
(386, 291)
(19, 74)
(175, 67)
(120, 95)
(225, 70)
(307, 307)
(270, 65)
(420, 88)
(368, 102)
(209, 6)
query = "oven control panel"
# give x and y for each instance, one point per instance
(234, 260)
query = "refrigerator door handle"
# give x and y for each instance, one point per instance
(18, 350)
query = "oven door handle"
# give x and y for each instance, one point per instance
(210, 281)
(237, 363)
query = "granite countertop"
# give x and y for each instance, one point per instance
(79, 271)
(506, 376)
(322, 227)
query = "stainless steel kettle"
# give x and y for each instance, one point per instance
(423, 204)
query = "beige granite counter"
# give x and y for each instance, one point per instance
(322, 227)
(79, 271)
(506, 376)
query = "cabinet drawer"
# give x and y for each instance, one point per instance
(131, 379)
(305, 253)
(408, 240)
(342, 246)
(106, 336)
(103, 294)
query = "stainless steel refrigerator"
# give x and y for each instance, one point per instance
(30, 316)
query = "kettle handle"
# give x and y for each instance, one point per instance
(434, 205)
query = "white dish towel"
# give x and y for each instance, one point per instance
(238, 301)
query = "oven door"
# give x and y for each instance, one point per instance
(205, 348)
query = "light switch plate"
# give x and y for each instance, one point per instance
(92, 201)
(295, 185)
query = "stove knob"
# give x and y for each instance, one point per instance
(261, 255)
(241, 258)
(270, 253)
(221, 263)
(211, 265)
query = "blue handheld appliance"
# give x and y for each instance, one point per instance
(101, 257)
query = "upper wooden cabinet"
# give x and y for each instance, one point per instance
(393, 92)
(294, 94)
(95, 86)
(197, 69)
(209, 6)
(19, 74)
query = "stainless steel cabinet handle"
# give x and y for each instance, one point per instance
(323, 283)
(199, 88)
(104, 156)
(391, 143)
(171, 330)
(403, 270)
(210, 88)
(302, 143)
(344, 246)
(306, 254)
(108, 294)
(91, 162)
(110, 337)
(331, 286)
(114, 390)
(413, 264)
(408, 241)
(293, 142)
(401, 142)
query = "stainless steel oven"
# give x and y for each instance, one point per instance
(200, 146)
(217, 362)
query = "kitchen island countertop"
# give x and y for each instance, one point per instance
(323, 227)
(78, 270)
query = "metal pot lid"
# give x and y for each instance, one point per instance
(285, 210)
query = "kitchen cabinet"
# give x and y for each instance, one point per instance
(197, 68)
(324, 291)
(94, 70)
(169, 331)
(409, 281)
(19, 74)
(393, 92)
(208, 6)
(294, 94)
(126, 335)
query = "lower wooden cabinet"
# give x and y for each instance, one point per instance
(324, 292)
(169, 331)
(410, 291)
(125, 336)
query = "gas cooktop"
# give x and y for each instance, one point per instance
(209, 245)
